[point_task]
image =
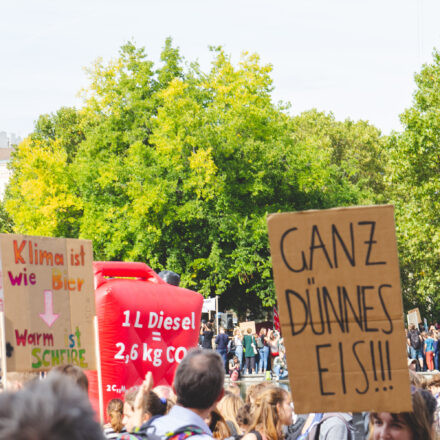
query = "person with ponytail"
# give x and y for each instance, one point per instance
(115, 412)
(272, 411)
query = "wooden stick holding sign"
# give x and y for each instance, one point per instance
(3, 350)
(98, 370)
(337, 281)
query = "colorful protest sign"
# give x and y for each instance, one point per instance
(337, 280)
(48, 302)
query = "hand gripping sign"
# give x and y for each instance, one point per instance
(144, 324)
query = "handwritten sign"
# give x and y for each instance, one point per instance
(416, 313)
(338, 287)
(48, 299)
(245, 325)
(412, 318)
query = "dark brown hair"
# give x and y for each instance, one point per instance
(420, 420)
(75, 373)
(115, 409)
(153, 404)
(199, 379)
(218, 426)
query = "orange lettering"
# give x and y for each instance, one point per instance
(18, 251)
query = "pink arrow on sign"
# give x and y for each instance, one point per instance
(49, 317)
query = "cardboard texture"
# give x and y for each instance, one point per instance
(416, 312)
(49, 302)
(337, 281)
(412, 318)
(245, 325)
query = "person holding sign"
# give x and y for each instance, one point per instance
(250, 348)
(415, 344)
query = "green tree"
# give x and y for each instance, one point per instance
(414, 175)
(179, 168)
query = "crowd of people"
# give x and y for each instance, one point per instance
(247, 352)
(424, 347)
(198, 405)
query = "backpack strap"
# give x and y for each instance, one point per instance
(316, 429)
(184, 432)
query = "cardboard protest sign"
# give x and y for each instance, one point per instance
(338, 287)
(245, 325)
(416, 313)
(412, 318)
(48, 302)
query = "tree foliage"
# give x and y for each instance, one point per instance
(414, 175)
(178, 168)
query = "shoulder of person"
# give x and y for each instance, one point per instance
(335, 427)
(250, 436)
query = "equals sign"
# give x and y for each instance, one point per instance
(156, 336)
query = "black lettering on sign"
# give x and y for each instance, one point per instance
(370, 243)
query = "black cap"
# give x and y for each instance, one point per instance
(170, 277)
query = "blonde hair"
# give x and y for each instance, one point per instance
(253, 390)
(228, 408)
(218, 426)
(265, 417)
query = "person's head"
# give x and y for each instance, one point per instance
(415, 425)
(233, 389)
(412, 364)
(244, 417)
(217, 425)
(75, 373)
(166, 392)
(115, 411)
(209, 326)
(199, 379)
(272, 411)
(153, 405)
(53, 408)
(228, 408)
(414, 379)
(236, 331)
(249, 331)
(221, 329)
(412, 327)
(263, 332)
(235, 359)
(253, 390)
(434, 384)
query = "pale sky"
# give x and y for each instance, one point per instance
(356, 58)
